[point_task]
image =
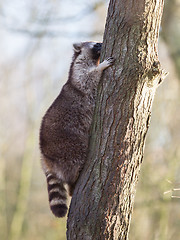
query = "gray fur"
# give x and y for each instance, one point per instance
(64, 133)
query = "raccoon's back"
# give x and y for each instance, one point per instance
(65, 126)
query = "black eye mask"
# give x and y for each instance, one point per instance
(96, 51)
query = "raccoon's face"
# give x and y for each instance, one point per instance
(88, 51)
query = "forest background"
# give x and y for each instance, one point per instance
(36, 51)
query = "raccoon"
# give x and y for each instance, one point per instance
(65, 128)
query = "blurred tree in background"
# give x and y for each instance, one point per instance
(36, 49)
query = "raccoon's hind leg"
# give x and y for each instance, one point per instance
(57, 195)
(71, 187)
(73, 179)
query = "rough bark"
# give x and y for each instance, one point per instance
(102, 203)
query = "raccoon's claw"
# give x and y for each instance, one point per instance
(110, 61)
(106, 63)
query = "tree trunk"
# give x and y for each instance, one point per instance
(102, 203)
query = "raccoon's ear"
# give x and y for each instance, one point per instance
(77, 47)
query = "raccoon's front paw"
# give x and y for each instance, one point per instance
(106, 63)
(110, 61)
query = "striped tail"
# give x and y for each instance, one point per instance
(57, 195)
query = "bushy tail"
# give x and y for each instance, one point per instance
(57, 195)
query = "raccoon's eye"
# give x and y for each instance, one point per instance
(97, 46)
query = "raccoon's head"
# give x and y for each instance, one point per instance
(87, 52)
